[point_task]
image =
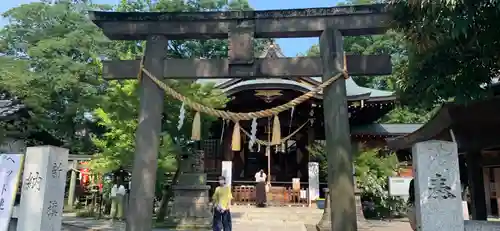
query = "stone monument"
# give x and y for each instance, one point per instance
(437, 185)
(191, 208)
(437, 189)
(42, 192)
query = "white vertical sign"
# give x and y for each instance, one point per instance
(465, 208)
(227, 171)
(10, 169)
(42, 196)
(313, 168)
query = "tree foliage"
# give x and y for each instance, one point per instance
(372, 169)
(51, 62)
(453, 46)
(55, 52)
(389, 43)
(59, 47)
(392, 43)
(119, 92)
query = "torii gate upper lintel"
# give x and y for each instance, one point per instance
(291, 23)
(241, 27)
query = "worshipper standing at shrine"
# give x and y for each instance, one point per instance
(260, 188)
(411, 206)
(117, 196)
(222, 202)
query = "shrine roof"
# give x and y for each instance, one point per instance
(385, 129)
(354, 91)
(474, 126)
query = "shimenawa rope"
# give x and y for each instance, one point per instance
(236, 117)
(240, 116)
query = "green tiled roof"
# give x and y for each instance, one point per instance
(385, 129)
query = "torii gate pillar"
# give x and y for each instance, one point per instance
(142, 191)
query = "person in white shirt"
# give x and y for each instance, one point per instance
(260, 179)
(117, 196)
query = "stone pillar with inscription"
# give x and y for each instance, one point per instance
(191, 208)
(72, 183)
(437, 186)
(42, 191)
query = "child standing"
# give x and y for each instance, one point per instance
(222, 201)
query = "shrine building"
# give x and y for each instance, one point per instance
(304, 124)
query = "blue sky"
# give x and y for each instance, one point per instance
(289, 46)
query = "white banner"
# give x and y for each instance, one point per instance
(313, 168)
(227, 171)
(10, 170)
(465, 208)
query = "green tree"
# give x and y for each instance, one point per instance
(117, 112)
(453, 49)
(54, 55)
(394, 43)
(12, 126)
(405, 114)
(372, 169)
(59, 48)
(390, 43)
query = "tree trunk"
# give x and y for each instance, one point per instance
(167, 194)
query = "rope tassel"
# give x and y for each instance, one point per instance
(276, 139)
(196, 130)
(236, 141)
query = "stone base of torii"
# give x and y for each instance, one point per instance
(325, 223)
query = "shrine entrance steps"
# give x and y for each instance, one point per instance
(302, 215)
(296, 219)
(246, 218)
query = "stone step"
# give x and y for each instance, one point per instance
(276, 215)
(281, 217)
(274, 222)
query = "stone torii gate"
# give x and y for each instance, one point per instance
(241, 27)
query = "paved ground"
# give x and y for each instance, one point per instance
(247, 219)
